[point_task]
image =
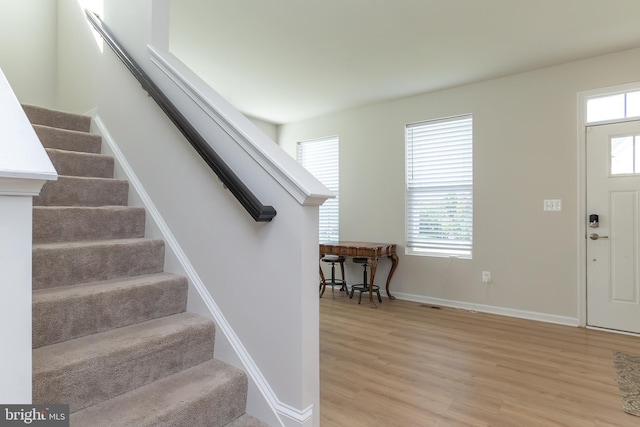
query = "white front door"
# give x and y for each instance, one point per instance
(613, 194)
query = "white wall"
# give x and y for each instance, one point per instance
(270, 129)
(79, 59)
(28, 49)
(525, 151)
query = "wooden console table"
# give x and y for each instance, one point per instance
(373, 251)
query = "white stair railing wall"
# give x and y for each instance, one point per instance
(24, 169)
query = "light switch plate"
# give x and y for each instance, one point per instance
(553, 205)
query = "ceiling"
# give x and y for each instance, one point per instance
(288, 60)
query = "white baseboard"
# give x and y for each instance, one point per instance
(510, 312)
(613, 331)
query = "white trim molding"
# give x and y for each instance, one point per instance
(21, 186)
(283, 168)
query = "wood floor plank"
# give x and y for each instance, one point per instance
(407, 364)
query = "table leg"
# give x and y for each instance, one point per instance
(394, 265)
(372, 275)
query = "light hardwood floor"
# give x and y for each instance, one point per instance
(405, 364)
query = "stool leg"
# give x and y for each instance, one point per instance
(322, 281)
(364, 276)
(364, 281)
(344, 282)
(333, 279)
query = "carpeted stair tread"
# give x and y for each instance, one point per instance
(91, 369)
(211, 394)
(68, 263)
(71, 140)
(69, 223)
(55, 118)
(83, 191)
(68, 312)
(74, 163)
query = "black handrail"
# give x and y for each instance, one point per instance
(257, 210)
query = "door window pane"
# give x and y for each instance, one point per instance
(624, 155)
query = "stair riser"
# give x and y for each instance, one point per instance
(81, 164)
(98, 377)
(61, 265)
(63, 139)
(74, 312)
(66, 224)
(72, 191)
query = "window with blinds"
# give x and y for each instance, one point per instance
(321, 158)
(439, 210)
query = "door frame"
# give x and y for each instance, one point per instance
(581, 222)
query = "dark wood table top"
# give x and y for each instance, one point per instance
(358, 249)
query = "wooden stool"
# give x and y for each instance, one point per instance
(333, 260)
(364, 286)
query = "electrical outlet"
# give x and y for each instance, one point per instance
(486, 277)
(553, 205)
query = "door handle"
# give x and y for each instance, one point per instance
(595, 236)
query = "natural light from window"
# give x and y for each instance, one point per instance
(625, 155)
(613, 107)
(321, 157)
(96, 6)
(439, 187)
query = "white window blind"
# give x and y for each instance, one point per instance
(321, 158)
(439, 211)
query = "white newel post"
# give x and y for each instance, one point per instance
(24, 168)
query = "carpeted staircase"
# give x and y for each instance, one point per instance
(111, 336)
